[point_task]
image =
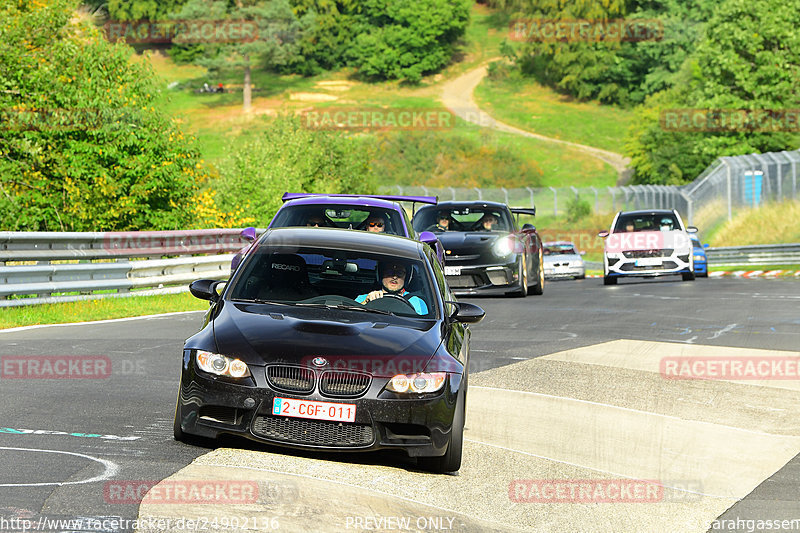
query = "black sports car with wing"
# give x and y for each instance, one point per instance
(334, 340)
(485, 250)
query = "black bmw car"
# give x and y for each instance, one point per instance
(485, 250)
(332, 339)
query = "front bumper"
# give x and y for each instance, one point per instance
(620, 265)
(551, 272)
(421, 426)
(491, 279)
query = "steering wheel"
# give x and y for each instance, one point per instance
(330, 298)
(386, 303)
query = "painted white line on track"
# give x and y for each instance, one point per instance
(110, 471)
(345, 484)
(627, 409)
(576, 465)
(37, 326)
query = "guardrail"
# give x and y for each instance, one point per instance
(760, 254)
(43, 264)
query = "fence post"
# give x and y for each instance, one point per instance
(555, 201)
(728, 180)
(453, 192)
(794, 179)
(531, 191)
(778, 162)
(505, 194)
(480, 195)
(613, 192)
(400, 190)
(596, 200)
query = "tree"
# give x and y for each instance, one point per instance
(749, 59)
(273, 44)
(290, 157)
(142, 9)
(397, 39)
(83, 145)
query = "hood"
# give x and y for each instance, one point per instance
(563, 258)
(261, 334)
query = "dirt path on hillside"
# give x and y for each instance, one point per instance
(457, 97)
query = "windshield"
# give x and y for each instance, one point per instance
(462, 219)
(375, 219)
(559, 249)
(646, 222)
(336, 278)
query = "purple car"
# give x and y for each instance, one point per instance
(375, 213)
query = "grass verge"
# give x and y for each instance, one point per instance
(99, 309)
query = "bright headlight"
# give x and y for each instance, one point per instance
(698, 258)
(220, 365)
(503, 246)
(417, 383)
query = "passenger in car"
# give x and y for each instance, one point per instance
(375, 224)
(394, 277)
(487, 222)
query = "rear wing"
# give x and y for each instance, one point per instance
(524, 211)
(392, 198)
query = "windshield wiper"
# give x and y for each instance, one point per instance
(346, 307)
(261, 301)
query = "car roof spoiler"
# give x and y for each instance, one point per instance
(392, 198)
(524, 211)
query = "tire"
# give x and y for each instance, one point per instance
(522, 292)
(538, 289)
(177, 431)
(688, 276)
(609, 280)
(451, 460)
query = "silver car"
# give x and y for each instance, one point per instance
(562, 260)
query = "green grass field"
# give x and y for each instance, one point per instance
(534, 107)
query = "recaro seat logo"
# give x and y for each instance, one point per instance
(281, 266)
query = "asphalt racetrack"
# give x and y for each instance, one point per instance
(586, 412)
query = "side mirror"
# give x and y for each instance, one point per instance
(429, 238)
(691, 229)
(603, 234)
(248, 234)
(467, 313)
(583, 252)
(206, 289)
(705, 245)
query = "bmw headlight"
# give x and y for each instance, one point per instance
(698, 258)
(220, 365)
(417, 383)
(504, 246)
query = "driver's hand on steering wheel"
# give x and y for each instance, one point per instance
(374, 295)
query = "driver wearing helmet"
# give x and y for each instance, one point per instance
(666, 224)
(394, 276)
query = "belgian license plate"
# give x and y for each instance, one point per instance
(336, 412)
(452, 271)
(648, 262)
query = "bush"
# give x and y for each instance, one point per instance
(290, 158)
(578, 209)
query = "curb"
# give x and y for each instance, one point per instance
(748, 274)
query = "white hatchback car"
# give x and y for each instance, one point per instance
(647, 243)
